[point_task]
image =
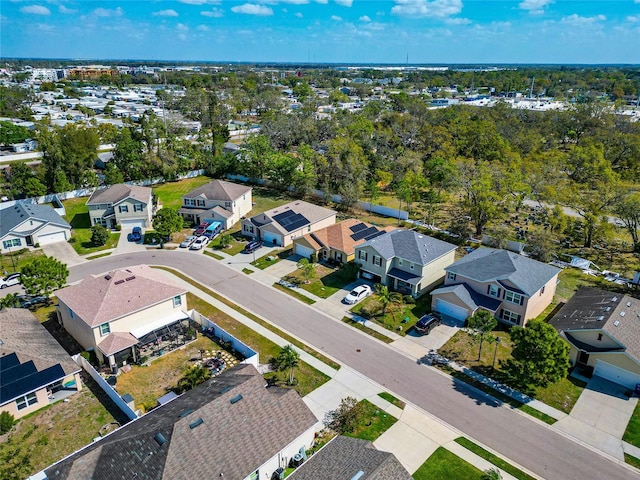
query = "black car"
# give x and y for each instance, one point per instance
(30, 301)
(252, 246)
(427, 323)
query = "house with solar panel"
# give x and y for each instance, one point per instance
(280, 226)
(404, 260)
(35, 371)
(337, 243)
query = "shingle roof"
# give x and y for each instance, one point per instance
(233, 439)
(469, 297)
(116, 193)
(344, 457)
(13, 216)
(29, 355)
(116, 342)
(102, 298)
(595, 309)
(490, 265)
(313, 213)
(409, 245)
(338, 236)
(219, 190)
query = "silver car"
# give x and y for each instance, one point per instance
(187, 242)
(199, 243)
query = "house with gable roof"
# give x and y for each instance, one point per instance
(126, 205)
(404, 260)
(514, 288)
(125, 313)
(219, 200)
(26, 225)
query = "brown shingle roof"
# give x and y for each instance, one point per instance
(219, 190)
(116, 342)
(102, 298)
(117, 193)
(338, 236)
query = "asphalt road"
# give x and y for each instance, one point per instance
(534, 446)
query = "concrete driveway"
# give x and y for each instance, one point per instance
(64, 252)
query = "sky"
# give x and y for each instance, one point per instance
(325, 31)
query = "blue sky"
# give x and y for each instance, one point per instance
(350, 31)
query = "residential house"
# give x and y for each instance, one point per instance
(230, 427)
(349, 458)
(218, 200)
(125, 205)
(125, 314)
(405, 260)
(514, 288)
(336, 243)
(281, 225)
(35, 371)
(603, 330)
(27, 225)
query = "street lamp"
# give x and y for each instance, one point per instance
(495, 351)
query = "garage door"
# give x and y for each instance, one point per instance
(303, 251)
(129, 224)
(51, 238)
(616, 374)
(451, 310)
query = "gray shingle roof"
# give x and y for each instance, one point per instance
(344, 457)
(491, 265)
(13, 216)
(116, 193)
(469, 297)
(409, 245)
(219, 190)
(233, 439)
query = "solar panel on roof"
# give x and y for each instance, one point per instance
(298, 222)
(281, 217)
(358, 227)
(364, 233)
(377, 234)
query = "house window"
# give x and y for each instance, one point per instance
(227, 204)
(599, 337)
(451, 276)
(189, 202)
(12, 243)
(510, 317)
(123, 209)
(138, 207)
(513, 297)
(377, 260)
(177, 301)
(71, 314)
(494, 291)
(105, 329)
(200, 203)
(26, 401)
(362, 255)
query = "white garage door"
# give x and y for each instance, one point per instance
(51, 238)
(303, 251)
(129, 224)
(451, 310)
(616, 374)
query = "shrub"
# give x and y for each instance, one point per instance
(409, 299)
(99, 235)
(6, 422)
(314, 258)
(72, 240)
(118, 227)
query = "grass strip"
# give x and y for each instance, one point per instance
(255, 318)
(371, 422)
(490, 457)
(631, 460)
(248, 271)
(392, 400)
(632, 432)
(214, 255)
(93, 257)
(293, 293)
(445, 465)
(498, 395)
(367, 330)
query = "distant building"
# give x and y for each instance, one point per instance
(92, 71)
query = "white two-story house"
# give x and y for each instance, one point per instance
(218, 200)
(128, 206)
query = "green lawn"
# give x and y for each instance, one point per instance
(373, 422)
(214, 255)
(631, 460)
(78, 216)
(444, 465)
(326, 282)
(403, 315)
(238, 242)
(292, 292)
(632, 433)
(170, 194)
(367, 330)
(391, 399)
(16, 260)
(272, 258)
(490, 457)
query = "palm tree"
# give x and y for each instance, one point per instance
(225, 240)
(288, 359)
(387, 297)
(193, 377)
(308, 269)
(492, 474)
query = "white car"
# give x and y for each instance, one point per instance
(357, 294)
(199, 243)
(187, 242)
(10, 280)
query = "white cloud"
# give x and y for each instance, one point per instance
(324, 2)
(103, 12)
(298, 14)
(63, 9)
(535, 7)
(165, 13)
(577, 20)
(344, 3)
(200, 2)
(336, 18)
(365, 18)
(35, 10)
(182, 27)
(633, 18)
(215, 13)
(202, 28)
(457, 21)
(252, 9)
(426, 8)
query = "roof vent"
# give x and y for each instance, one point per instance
(616, 323)
(108, 277)
(614, 299)
(600, 318)
(226, 389)
(622, 314)
(118, 282)
(236, 399)
(195, 423)
(128, 279)
(607, 309)
(628, 304)
(160, 439)
(358, 475)
(186, 412)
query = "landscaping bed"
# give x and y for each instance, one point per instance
(398, 317)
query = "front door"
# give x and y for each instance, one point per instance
(583, 358)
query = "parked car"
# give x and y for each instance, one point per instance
(201, 228)
(357, 294)
(10, 280)
(252, 246)
(199, 243)
(32, 301)
(427, 323)
(135, 235)
(213, 230)
(187, 242)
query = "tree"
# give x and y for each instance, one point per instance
(43, 275)
(539, 356)
(10, 133)
(167, 222)
(628, 211)
(344, 418)
(225, 240)
(387, 297)
(99, 235)
(482, 322)
(33, 187)
(112, 176)
(6, 422)
(308, 269)
(10, 301)
(193, 377)
(541, 245)
(288, 359)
